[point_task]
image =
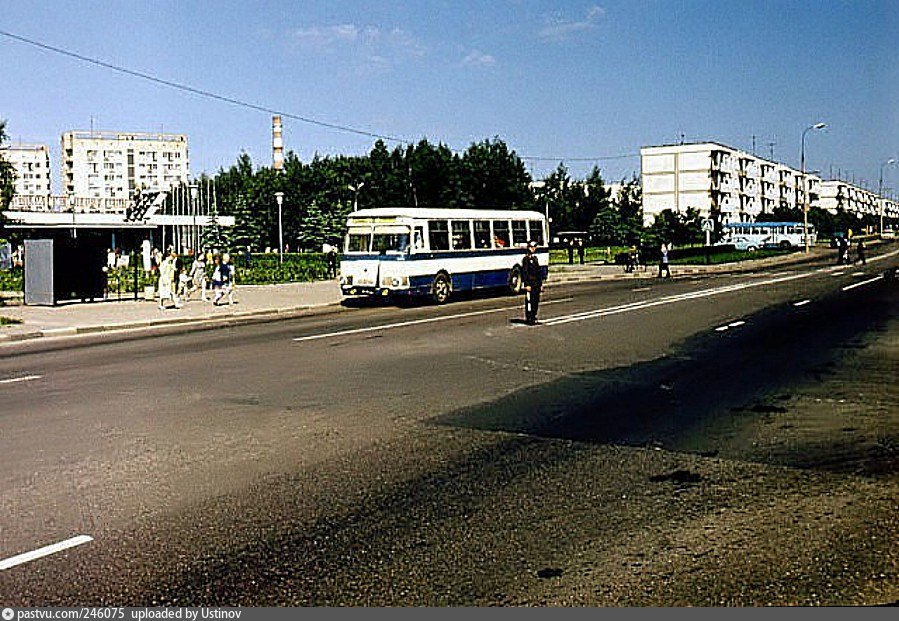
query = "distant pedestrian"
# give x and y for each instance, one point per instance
(571, 252)
(223, 280)
(532, 279)
(197, 276)
(663, 261)
(168, 282)
(580, 250)
(842, 251)
(860, 252)
(332, 262)
(181, 275)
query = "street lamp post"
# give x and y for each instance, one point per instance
(805, 183)
(355, 189)
(536, 185)
(279, 196)
(880, 198)
(195, 237)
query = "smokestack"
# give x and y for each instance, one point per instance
(277, 144)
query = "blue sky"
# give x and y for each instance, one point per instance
(557, 80)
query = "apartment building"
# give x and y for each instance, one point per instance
(841, 195)
(714, 178)
(32, 166)
(114, 164)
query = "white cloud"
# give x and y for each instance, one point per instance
(478, 58)
(382, 48)
(558, 28)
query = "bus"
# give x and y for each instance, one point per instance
(752, 236)
(410, 251)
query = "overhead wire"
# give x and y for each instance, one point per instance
(262, 108)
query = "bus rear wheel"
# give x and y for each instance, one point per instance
(441, 288)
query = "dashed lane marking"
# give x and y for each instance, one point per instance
(24, 378)
(45, 551)
(802, 303)
(862, 283)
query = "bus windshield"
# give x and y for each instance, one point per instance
(390, 239)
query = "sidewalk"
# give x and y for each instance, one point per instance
(287, 300)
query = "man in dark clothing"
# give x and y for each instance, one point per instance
(332, 263)
(860, 252)
(532, 279)
(580, 250)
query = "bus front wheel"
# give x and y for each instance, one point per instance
(515, 280)
(441, 288)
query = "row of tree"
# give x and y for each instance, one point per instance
(318, 196)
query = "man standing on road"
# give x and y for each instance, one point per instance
(532, 279)
(663, 262)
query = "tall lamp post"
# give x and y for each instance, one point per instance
(355, 189)
(805, 183)
(279, 197)
(195, 236)
(880, 198)
(536, 185)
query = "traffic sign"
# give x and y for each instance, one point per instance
(707, 225)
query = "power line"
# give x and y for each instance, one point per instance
(261, 108)
(198, 91)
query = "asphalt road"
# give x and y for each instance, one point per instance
(649, 443)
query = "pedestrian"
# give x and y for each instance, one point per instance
(332, 262)
(663, 261)
(225, 284)
(198, 276)
(571, 251)
(167, 281)
(860, 252)
(532, 279)
(181, 275)
(580, 250)
(843, 256)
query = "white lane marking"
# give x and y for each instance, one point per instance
(624, 308)
(25, 378)
(840, 273)
(721, 329)
(45, 551)
(736, 324)
(858, 273)
(414, 322)
(642, 289)
(802, 303)
(862, 283)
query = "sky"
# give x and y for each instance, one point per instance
(560, 81)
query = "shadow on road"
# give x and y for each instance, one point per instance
(698, 399)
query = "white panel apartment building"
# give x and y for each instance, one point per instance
(840, 195)
(114, 164)
(32, 166)
(711, 177)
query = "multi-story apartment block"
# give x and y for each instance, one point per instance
(114, 164)
(716, 179)
(32, 167)
(844, 196)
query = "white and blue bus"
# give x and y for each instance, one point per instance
(434, 252)
(752, 236)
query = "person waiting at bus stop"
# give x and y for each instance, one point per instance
(532, 279)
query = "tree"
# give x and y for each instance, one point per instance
(7, 178)
(629, 203)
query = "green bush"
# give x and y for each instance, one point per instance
(11, 280)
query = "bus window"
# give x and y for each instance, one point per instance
(438, 235)
(536, 228)
(519, 232)
(418, 238)
(501, 233)
(461, 234)
(481, 233)
(357, 241)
